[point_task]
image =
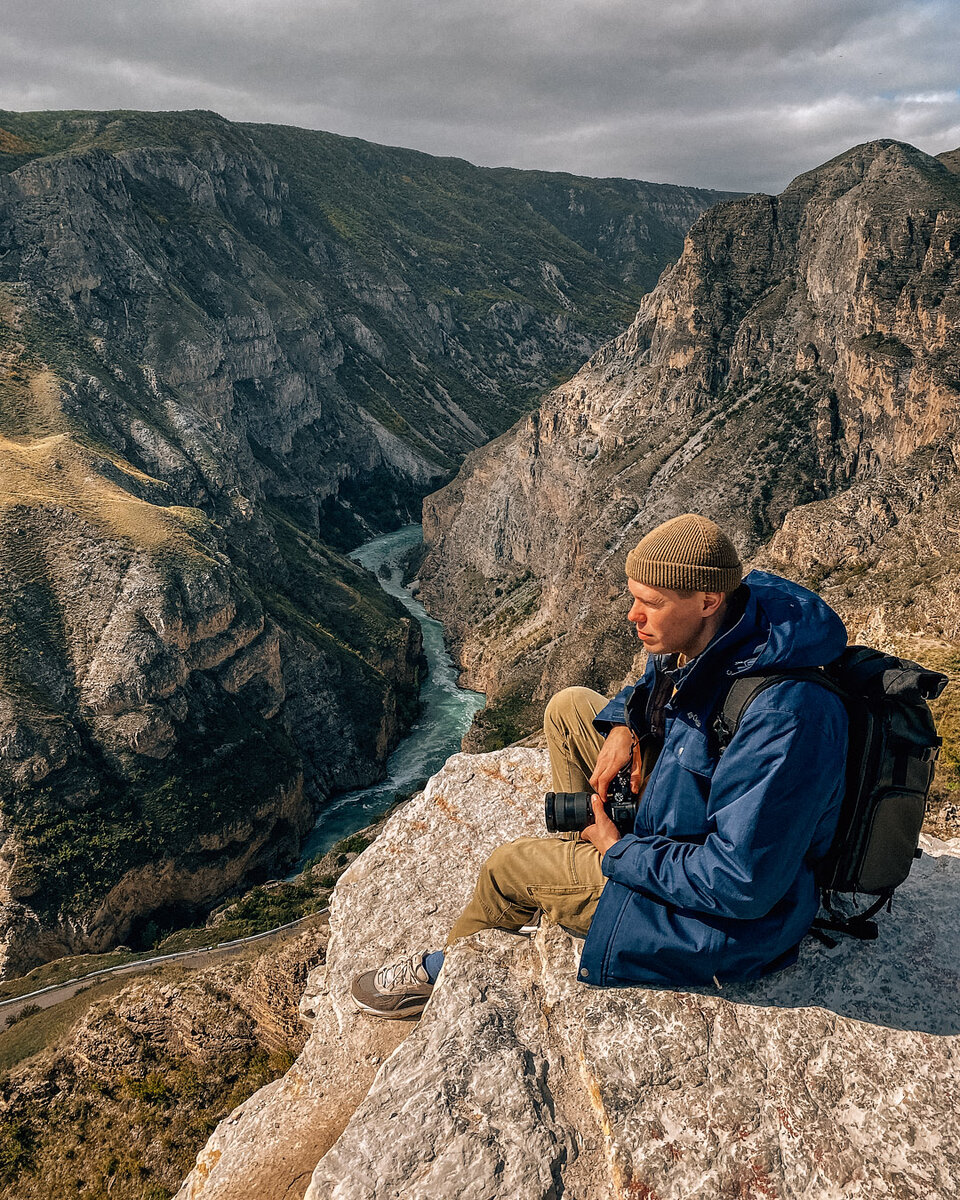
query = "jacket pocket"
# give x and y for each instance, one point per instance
(682, 788)
(691, 750)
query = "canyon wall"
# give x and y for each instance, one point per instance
(795, 376)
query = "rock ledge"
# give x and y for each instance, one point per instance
(836, 1078)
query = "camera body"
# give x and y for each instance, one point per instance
(567, 812)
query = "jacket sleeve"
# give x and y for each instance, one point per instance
(775, 788)
(615, 712)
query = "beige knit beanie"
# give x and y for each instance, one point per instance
(686, 552)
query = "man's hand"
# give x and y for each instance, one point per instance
(616, 752)
(603, 833)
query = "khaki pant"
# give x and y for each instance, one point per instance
(560, 876)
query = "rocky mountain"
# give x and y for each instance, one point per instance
(228, 353)
(796, 376)
(836, 1077)
(355, 317)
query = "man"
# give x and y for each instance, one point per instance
(715, 881)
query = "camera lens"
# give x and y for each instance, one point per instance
(566, 812)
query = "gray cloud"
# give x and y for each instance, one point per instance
(725, 93)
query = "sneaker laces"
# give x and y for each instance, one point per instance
(408, 972)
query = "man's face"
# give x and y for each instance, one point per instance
(670, 622)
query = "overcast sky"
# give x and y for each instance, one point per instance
(739, 94)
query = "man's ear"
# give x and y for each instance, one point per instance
(712, 602)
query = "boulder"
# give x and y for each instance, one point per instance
(834, 1078)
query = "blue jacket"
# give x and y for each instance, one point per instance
(717, 878)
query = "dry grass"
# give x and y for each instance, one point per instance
(46, 463)
(38, 1032)
(58, 472)
(11, 144)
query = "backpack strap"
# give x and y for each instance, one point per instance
(740, 695)
(746, 688)
(858, 925)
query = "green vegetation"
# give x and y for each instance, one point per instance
(73, 1127)
(511, 716)
(317, 594)
(228, 761)
(134, 1140)
(60, 969)
(28, 1010)
(267, 906)
(881, 345)
(40, 1030)
(356, 843)
(259, 909)
(600, 215)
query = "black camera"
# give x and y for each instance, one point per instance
(565, 812)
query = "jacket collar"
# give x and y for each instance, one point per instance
(733, 650)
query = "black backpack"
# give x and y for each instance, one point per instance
(893, 749)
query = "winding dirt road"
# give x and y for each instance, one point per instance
(56, 993)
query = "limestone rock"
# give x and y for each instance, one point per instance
(521, 1083)
(401, 892)
(835, 1078)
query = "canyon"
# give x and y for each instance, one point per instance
(229, 354)
(795, 375)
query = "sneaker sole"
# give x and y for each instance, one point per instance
(411, 1010)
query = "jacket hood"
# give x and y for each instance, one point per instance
(783, 625)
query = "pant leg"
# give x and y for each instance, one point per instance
(561, 879)
(571, 738)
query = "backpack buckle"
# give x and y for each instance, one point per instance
(721, 731)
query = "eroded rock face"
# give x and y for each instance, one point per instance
(153, 692)
(319, 308)
(793, 376)
(833, 1078)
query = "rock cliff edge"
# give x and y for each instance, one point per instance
(836, 1078)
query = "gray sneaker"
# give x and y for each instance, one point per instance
(400, 990)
